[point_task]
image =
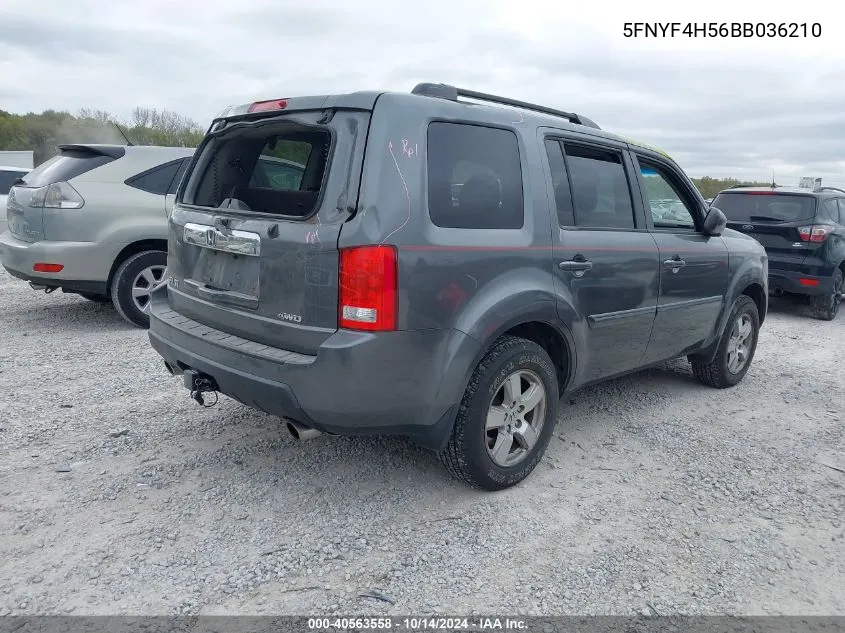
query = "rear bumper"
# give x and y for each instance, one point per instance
(86, 265)
(795, 282)
(396, 383)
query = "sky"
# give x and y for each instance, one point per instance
(746, 107)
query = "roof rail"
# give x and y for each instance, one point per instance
(451, 93)
(831, 189)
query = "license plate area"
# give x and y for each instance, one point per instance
(227, 272)
(226, 265)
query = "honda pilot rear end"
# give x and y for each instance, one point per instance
(264, 306)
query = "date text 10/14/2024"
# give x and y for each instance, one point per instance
(723, 29)
(416, 624)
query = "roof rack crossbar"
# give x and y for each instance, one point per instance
(445, 91)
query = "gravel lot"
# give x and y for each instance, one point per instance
(118, 494)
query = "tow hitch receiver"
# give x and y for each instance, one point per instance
(198, 384)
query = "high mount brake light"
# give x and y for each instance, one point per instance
(268, 106)
(369, 283)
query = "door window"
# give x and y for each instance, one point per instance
(668, 206)
(601, 195)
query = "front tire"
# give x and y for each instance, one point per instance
(736, 348)
(134, 281)
(506, 418)
(826, 307)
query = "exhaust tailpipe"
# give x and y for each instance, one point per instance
(301, 432)
(35, 286)
(778, 292)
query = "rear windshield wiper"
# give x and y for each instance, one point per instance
(764, 218)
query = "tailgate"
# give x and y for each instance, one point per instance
(254, 231)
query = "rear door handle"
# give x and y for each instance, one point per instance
(674, 263)
(575, 265)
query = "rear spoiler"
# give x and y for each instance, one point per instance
(113, 151)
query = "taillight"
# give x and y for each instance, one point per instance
(267, 106)
(59, 195)
(369, 282)
(815, 233)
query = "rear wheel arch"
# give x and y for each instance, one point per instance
(557, 343)
(553, 341)
(133, 249)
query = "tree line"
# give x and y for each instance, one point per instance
(41, 133)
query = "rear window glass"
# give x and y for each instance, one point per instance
(275, 169)
(747, 207)
(7, 178)
(474, 177)
(67, 165)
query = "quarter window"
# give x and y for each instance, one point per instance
(474, 177)
(156, 180)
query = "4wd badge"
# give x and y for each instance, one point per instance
(295, 318)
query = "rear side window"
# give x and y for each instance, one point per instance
(67, 165)
(7, 179)
(474, 177)
(833, 208)
(765, 207)
(276, 169)
(600, 191)
(156, 180)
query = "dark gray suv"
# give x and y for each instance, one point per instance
(446, 266)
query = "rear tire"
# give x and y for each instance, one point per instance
(95, 298)
(736, 347)
(133, 281)
(506, 418)
(826, 307)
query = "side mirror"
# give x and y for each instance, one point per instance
(714, 222)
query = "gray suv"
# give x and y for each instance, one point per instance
(449, 265)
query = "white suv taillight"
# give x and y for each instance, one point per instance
(59, 195)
